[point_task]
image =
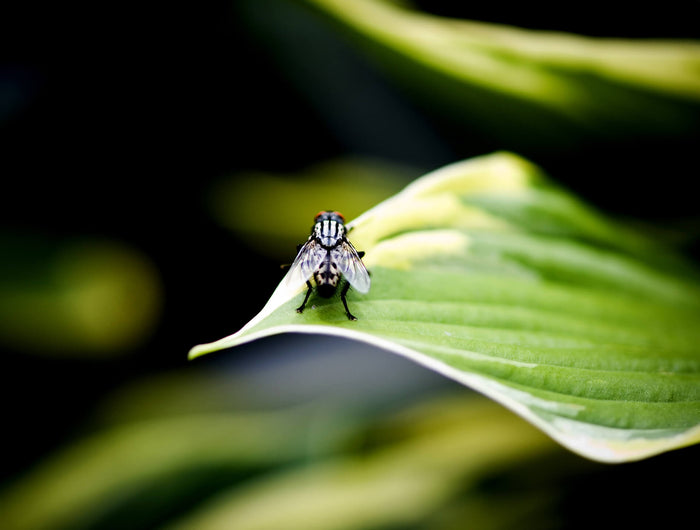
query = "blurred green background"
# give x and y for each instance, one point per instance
(160, 162)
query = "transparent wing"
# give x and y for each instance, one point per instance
(305, 264)
(351, 266)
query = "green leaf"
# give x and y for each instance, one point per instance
(225, 469)
(524, 84)
(487, 273)
(455, 446)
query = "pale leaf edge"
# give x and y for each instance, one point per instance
(596, 442)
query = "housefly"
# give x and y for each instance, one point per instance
(328, 257)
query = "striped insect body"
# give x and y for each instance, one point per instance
(329, 258)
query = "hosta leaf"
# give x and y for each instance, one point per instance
(487, 273)
(525, 85)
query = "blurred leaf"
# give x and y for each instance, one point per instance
(439, 451)
(75, 298)
(146, 473)
(252, 204)
(529, 86)
(487, 273)
(104, 477)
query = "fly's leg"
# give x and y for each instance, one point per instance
(345, 302)
(306, 298)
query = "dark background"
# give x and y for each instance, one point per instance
(116, 118)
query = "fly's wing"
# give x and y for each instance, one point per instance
(305, 264)
(351, 266)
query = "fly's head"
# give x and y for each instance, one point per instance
(329, 216)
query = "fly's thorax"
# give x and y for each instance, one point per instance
(329, 232)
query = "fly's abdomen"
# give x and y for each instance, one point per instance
(327, 277)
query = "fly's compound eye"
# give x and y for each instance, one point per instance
(330, 213)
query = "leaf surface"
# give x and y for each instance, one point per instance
(487, 273)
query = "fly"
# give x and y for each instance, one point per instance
(328, 257)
